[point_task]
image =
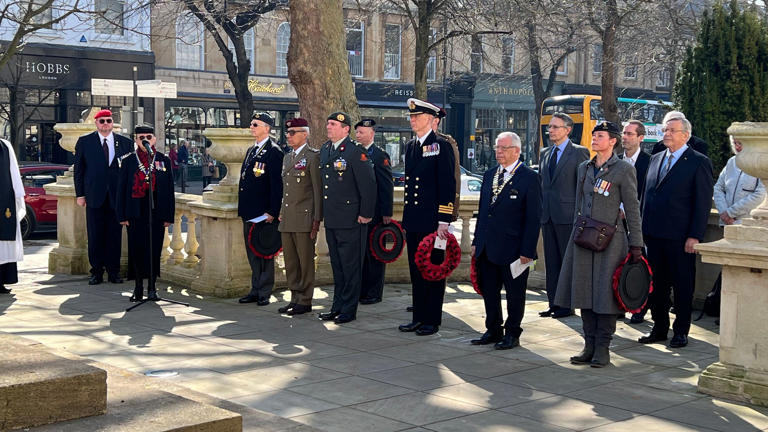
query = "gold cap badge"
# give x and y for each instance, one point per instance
(340, 117)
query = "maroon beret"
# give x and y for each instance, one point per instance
(103, 113)
(296, 122)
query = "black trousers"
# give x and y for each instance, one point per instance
(8, 274)
(556, 237)
(346, 250)
(104, 238)
(672, 267)
(373, 270)
(139, 253)
(262, 270)
(427, 295)
(491, 278)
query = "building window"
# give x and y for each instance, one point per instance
(248, 41)
(355, 47)
(476, 56)
(508, 55)
(432, 61)
(189, 42)
(662, 79)
(597, 59)
(44, 17)
(110, 17)
(630, 69)
(283, 40)
(392, 45)
(563, 68)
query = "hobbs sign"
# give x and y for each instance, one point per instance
(48, 71)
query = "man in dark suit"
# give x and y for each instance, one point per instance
(97, 169)
(349, 203)
(508, 224)
(676, 206)
(631, 138)
(260, 194)
(430, 188)
(558, 166)
(372, 287)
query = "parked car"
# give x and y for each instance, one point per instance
(398, 178)
(41, 207)
(470, 185)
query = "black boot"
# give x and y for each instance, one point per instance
(606, 327)
(602, 356)
(138, 292)
(585, 356)
(588, 324)
(152, 292)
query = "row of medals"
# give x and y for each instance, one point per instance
(259, 168)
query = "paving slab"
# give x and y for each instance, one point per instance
(494, 421)
(569, 413)
(419, 408)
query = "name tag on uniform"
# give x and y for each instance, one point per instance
(430, 150)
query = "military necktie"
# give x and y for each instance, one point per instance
(105, 147)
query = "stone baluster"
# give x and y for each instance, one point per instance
(177, 244)
(191, 244)
(164, 253)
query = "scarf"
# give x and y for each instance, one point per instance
(140, 183)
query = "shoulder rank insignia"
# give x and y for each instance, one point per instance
(386, 162)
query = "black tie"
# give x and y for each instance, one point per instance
(553, 162)
(105, 147)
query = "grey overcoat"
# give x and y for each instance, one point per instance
(586, 277)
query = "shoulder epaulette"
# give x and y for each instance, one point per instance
(312, 149)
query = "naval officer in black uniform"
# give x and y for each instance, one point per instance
(349, 202)
(430, 188)
(260, 194)
(372, 288)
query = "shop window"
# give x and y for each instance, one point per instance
(476, 56)
(109, 20)
(597, 59)
(355, 47)
(630, 70)
(508, 55)
(392, 51)
(248, 40)
(662, 79)
(189, 42)
(432, 61)
(46, 16)
(563, 68)
(489, 123)
(283, 40)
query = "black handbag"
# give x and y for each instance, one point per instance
(211, 168)
(593, 234)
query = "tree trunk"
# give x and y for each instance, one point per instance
(536, 81)
(608, 79)
(317, 64)
(421, 51)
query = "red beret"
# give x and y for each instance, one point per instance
(103, 113)
(296, 122)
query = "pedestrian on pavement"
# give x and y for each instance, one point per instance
(586, 279)
(209, 166)
(372, 288)
(676, 205)
(14, 209)
(349, 203)
(300, 216)
(173, 155)
(183, 158)
(97, 169)
(736, 192)
(133, 209)
(507, 230)
(430, 188)
(559, 163)
(260, 194)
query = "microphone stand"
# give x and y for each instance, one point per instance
(150, 195)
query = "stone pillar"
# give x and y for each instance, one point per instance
(224, 266)
(742, 370)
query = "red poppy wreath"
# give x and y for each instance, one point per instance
(435, 272)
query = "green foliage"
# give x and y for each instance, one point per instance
(724, 78)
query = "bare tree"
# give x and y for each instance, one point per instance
(317, 63)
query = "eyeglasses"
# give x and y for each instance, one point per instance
(293, 132)
(665, 130)
(105, 120)
(503, 148)
(144, 137)
(628, 133)
(556, 127)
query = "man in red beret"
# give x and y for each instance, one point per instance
(97, 167)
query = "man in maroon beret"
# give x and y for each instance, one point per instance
(97, 165)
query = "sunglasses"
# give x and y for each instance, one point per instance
(105, 120)
(144, 137)
(293, 132)
(254, 124)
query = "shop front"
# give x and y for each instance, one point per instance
(48, 84)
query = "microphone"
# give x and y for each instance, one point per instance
(147, 147)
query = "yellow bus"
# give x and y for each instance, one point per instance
(586, 111)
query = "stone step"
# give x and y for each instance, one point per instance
(38, 387)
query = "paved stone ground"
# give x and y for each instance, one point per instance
(367, 376)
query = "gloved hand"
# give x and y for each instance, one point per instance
(637, 253)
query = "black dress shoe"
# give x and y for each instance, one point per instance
(299, 309)
(370, 300)
(562, 313)
(507, 342)
(4, 290)
(546, 313)
(653, 337)
(328, 316)
(488, 338)
(343, 318)
(636, 318)
(286, 308)
(678, 341)
(409, 309)
(262, 302)
(410, 327)
(249, 299)
(115, 279)
(95, 280)
(152, 294)
(426, 330)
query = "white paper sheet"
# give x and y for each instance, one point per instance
(517, 268)
(258, 219)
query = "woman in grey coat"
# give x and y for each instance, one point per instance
(603, 185)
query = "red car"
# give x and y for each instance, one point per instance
(41, 208)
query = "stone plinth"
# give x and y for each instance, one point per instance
(742, 370)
